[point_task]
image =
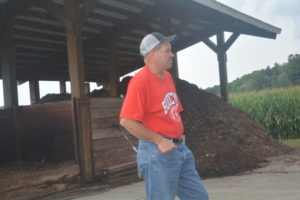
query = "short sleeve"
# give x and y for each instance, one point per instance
(134, 103)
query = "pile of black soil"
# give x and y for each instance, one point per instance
(225, 140)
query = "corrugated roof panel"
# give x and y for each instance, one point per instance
(90, 30)
(38, 20)
(39, 39)
(121, 5)
(148, 2)
(109, 14)
(194, 27)
(39, 48)
(39, 30)
(139, 31)
(61, 2)
(32, 54)
(129, 38)
(38, 9)
(99, 21)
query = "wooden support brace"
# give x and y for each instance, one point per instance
(230, 41)
(211, 45)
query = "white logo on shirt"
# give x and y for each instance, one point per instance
(168, 102)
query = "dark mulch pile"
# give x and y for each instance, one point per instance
(55, 97)
(225, 140)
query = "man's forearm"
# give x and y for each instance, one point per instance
(140, 131)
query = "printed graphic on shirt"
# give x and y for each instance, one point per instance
(170, 105)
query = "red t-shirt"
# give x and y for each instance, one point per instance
(154, 102)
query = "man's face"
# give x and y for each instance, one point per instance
(164, 56)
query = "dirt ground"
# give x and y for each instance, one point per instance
(277, 180)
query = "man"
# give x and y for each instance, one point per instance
(151, 112)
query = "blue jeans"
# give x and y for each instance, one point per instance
(169, 174)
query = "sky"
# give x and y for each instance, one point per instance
(198, 64)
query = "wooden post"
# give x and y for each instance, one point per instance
(75, 52)
(84, 138)
(81, 114)
(8, 58)
(113, 70)
(34, 91)
(220, 49)
(222, 59)
(62, 87)
(87, 87)
(174, 69)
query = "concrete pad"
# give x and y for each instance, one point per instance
(279, 180)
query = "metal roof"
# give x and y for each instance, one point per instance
(40, 39)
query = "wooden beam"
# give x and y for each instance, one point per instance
(174, 69)
(222, 59)
(8, 60)
(81, 104)
(104, 39)
(62, 87)
(87, 87)
(34, 91)
(231, 40)
(113, 69)
(211, 45)
(184, 42)
(75, 50)
(58, 13)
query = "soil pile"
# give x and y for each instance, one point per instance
(55, 97)
(99, 93)
(225, 140)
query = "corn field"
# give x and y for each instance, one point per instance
(278, 110)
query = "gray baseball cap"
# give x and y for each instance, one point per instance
(152, 40)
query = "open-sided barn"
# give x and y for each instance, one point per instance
(85, 41)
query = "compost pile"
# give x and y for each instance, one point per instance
(55, 97)
(99, 93)
(225, 140)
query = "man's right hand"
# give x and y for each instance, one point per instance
(166, 145)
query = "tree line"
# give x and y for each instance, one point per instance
(280, 75)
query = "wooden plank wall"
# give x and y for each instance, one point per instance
(111, 149)
(47, 131)
(7, 141)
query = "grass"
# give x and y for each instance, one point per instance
(291, 143)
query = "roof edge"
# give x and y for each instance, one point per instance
(213, 4)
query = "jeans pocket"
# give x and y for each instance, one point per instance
(166, 158)
(142, 157)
